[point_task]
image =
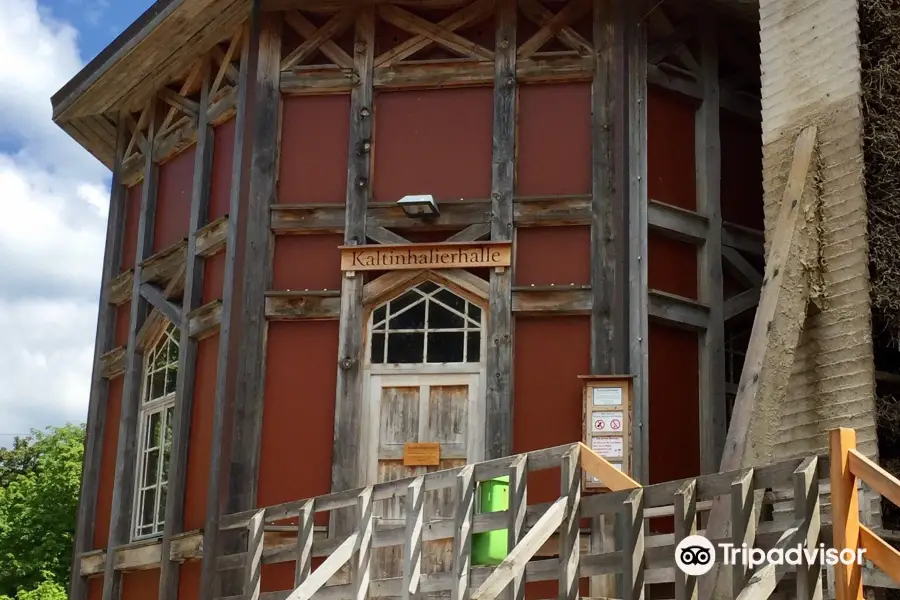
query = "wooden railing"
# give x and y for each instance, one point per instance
(848, 465)
(639, 558)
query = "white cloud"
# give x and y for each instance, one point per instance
(53, 203)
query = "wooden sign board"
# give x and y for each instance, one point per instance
(422, 454)
(607, 422)
(446, 255)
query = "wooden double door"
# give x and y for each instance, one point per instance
(440, 408)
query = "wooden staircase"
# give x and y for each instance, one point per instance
(640, 558)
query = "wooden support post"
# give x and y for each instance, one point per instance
(845, 513)
(708, 165)
(412, 550)
(229, 337)
(306, 528)
(631, 524)
(258, 253)
(638, 328)
(518, 506)
(362, 556)
(569, 538)
(347, 451)
(773, 340)
(498, 428)
(685, 525)
(743, 529)
(157, 299)
(255, 544)
(462, 538)
(187, 354)
(807, 510)
(126, 452)
(99, 395)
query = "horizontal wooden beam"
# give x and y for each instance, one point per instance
(741, 302)
(678, 311)
(745, 239)
(163, 265)
(684, 82)
(303, 306)
(120, 288)
(211, 238)
(679, 223)
(205, 321)
(112, 364)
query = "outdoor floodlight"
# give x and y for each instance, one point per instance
(419, 207)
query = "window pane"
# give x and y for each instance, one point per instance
(442, 318)
(148, 508)
(151, 468)
(172, 356)
(397, 304)
(474, 312)
(378, 316)
(451, 300)
(158, 359)
(428, 287)
(473, 347)
(405, 347)
(413, 318)
(377, 348)
(161, 514)
(171, 380)
(445, 347)
(153, 429)
(157, 384)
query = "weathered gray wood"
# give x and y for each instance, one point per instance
(743, 529)
(255, 544)
(677, 311)
(766, 578)
(518, 508)
(472, 233)
(685, 525)
(126, 452)
(631, 525)
(304, 545)
(187, 355)
(381, 235)
(636, 97)
(326, 570)
(498, 398)
(412, 550)
(807, 510)
(347, 451)
(99, 394)
(741, 303)
(248, 399)
(157, 298)
(741, 267)
(569, 544)
(708, 165)
(362, 562)
(462, 538)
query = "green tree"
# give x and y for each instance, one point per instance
(38, 509)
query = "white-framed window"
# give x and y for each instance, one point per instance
(426, 324)
(155, 434)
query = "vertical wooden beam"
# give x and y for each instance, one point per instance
(636, 82)
(126, 452)
(347, 452)
(569, 539)
(462, 538)
(518, 505)
(306, 528)
(229, 329)
(498, 428)
(708, 165)
(412, 550)
(253, 570)
(609, 227)
(845, 513)
(807, 509)
(685, 525)
(187, 355)
(362, 557)
(103, 343)
(743, 526)
(259, 248)
(631, 525)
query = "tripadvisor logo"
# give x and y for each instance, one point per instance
(695, 555)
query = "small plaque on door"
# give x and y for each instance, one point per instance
(422, 454)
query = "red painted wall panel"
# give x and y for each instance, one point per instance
(173, 203)
(298, 415)
(132, 216)
(189, 581)
(433, 142)
(201, 433)
(553, 255)
(672, 266)
(141, 585)
(213, 277)
(554, 140)
(223, 158)
(108, 463)
(123, 319)
(307, 262)
(314, 149)
(549, 355)
(741, 171)
(670, 148)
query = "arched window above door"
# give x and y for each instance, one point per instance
(427, 323)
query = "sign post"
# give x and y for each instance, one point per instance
(607, 422)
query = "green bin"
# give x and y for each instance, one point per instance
(490, 547)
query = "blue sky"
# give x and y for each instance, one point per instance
(54, 200)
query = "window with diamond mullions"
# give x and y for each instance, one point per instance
(155, 436)
(426, 324)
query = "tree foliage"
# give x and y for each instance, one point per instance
(40, 478)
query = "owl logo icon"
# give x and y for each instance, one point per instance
(694, 555)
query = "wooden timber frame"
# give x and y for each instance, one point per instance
(253, 73)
